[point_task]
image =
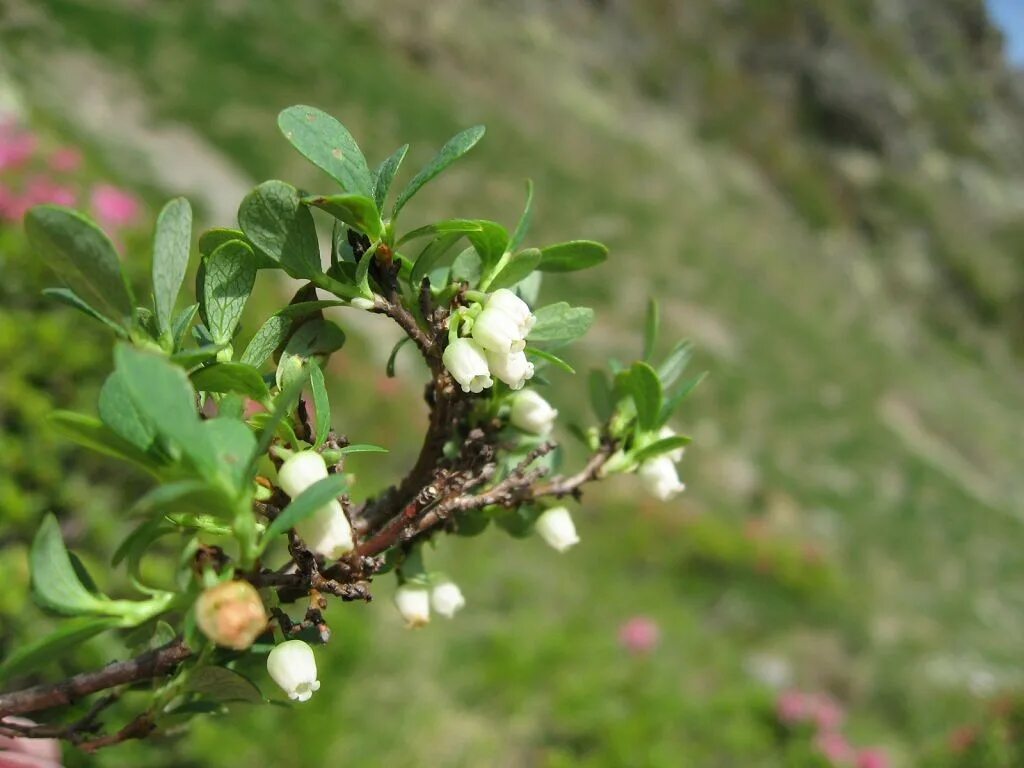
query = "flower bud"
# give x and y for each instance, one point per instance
(327, 531)
(360, 302)
(292, 666)
(231, 614)
(498, 332)
(413, 603)
(556, 527)
(514, 369)
(301, 470)
(660, 478)
(446, 598)
(514, 307)
(465, 360)
(532, 413)
(677, 454)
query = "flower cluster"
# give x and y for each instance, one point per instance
(826, 717)
(658, 474)
(415, 600)
(326, 531)
(496, 347)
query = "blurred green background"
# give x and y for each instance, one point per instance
(826, 196)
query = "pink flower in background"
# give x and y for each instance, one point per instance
(640, 634)
(873, 757)
(66, 160)
(41, 190)
(836, 748)
(827, 713)
(114, 207)
(793, 707)
(15, 148)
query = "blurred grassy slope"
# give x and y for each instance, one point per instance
(840, 413)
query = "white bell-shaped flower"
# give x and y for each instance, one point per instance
(532, 413)
(327, 531)
(301, 470)
(514, 369)
(677, 454)
(514, 307)
(659, 477)
(498, 332)
(292, 666)
(413, 603)
(447, 599)
(465, 360)
(556, 527)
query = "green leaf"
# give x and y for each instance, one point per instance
(651, 324)
(233, 445)
(269, 337)
(163, 394)
(328, 145)
(645, 387)
(55, 585)
(467, 267)
(518, 268)
(275, 220)
(73, 300)
(118, 411)
(448, 226)
(455, 148)
(181, 323)
(191, 358)
(431, 254)
(321, 404)
(137, 542)
(231, 377)
(490, 242)
(170, 258)
(675, 363)
(385, 175)
(561, 322)
(304, 505)
(676, 398)
(284, 404)
(665, 445)
(222, 684)
(524, 221)
(316, 338)
(212, 239)
(229, 279)
(92, 433)
(571, 256)
(600, 394)
(548, 357)
(390, 368)
(363, 448)
(355, 210)
(68, 636)
(78, 251)
(180, 496)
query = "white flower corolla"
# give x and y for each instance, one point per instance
(413, 603)
(498, 332)
(556, 527)
(231, 614)
(677, 454)
(514, 307)
(327, 531)
(301, 470)
(446, 598)
(292, 666)
(660, 478)
(465, 360)
(532, 413)
(514, 369)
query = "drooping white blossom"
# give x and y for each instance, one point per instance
(514, 369)
(514, 307)
(556, 527)
(301, 470)
(413, 603)
(327, 531)
(659, 477)
(292, 666)
(677, 454)
(532, 413)
(465, 360)
(447, 599)
(498, 332)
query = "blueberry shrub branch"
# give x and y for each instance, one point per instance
(234, 425)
